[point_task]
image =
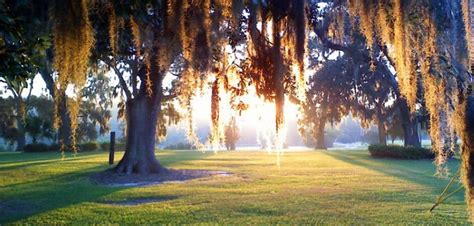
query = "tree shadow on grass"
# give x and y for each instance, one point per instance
(16, 165)
(23, 200)
(415, 171)
(26, 199)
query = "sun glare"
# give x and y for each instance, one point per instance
(260, 115)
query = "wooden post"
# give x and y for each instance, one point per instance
(112, 148)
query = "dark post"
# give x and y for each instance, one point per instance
(112, 148)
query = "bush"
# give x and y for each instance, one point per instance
(38, 147)
(54, 147)
(104, 146)
(89, 146)
(400, 152)
(178, 146)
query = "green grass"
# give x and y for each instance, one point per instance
(330, 187)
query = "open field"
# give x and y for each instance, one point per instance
(333, 187)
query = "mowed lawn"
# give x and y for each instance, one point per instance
(331, 187)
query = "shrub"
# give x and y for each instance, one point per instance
(89, 146)
(104, 146)
(400, 152)
(54, 147)
(38, 147)
(178, 146)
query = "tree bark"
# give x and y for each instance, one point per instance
(143, 112)
(142, 118)
(409, 124)
(410, 130)
(21, 137)
(320, 139)
(382, 131)
(64, 130)
(20, 123)
(278, 76)
(467, 154)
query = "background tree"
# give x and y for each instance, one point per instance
(328, 99)
(21, 49)
(335, 31)
(95, 110)
(232, 134)
(429, 37)
(373, 99)
(39, 122)
(8, 130)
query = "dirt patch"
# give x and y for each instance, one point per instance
(135, 202)
(111, 178)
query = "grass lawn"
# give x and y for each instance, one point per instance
(331, 187)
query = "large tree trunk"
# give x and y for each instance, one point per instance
(410, 130)
(382, 131)
(467, 154)
(409, 124)
(64, 130)
(320, 139)
(142, 118)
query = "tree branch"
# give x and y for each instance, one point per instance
(31, 90)
(122, 82)
(119, 74)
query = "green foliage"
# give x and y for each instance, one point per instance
(37, 147)
(104, 146)
(119, 146)
(179, 146)
(42, 147)
(89, 146)
(54, 147)
(400, 152)
(95, 107)
(22, 44)
(8, 130)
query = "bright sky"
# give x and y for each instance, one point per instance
(260, 115)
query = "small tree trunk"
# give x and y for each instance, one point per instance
(20, 139)
(20, 123)
(467, 154)
(142, 118)
(382, 132)
(64, 130)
